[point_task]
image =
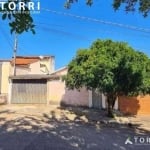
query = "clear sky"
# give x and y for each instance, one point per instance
(62, 35)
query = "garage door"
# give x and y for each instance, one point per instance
(29, 91)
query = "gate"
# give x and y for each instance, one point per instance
(96, 99)
(29, 91)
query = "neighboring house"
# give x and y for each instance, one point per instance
(4, 76)
(139, 105)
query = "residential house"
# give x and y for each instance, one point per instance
(25, 65)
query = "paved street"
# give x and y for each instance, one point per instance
(45, 128)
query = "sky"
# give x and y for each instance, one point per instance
(61, 32)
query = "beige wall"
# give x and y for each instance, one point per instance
(44, 66)
(5, 77)
(49, 64)
(35, 68)
(58, 94)
(61, 72)
(22, 70)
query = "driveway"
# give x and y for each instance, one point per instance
(50, 128)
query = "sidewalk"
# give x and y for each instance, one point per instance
(142, 121)
(76, 114)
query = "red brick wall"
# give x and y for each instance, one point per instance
(135, 105)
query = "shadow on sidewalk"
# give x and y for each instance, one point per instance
(67, 129)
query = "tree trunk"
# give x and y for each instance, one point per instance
(109, 109)
(111, 98)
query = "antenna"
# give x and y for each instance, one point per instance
(14, 53)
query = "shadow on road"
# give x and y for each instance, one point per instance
(63, 130)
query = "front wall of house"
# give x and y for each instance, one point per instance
(50, 62)
(21, 70)
(62, 72)
(45, 66)
(35, 68)
(59, 94)
(135, 105)
(5, 76)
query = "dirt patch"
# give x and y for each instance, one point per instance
(74, 114)
(48, 127)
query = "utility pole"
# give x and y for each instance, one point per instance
(14, 53)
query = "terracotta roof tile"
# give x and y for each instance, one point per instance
(24, 61)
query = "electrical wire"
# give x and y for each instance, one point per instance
(146, 30)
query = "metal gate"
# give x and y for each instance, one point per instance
(96, 99)
(29, 91)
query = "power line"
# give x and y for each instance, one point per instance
(64, 33)
(53, 30)
(146, 30)
(60, 27)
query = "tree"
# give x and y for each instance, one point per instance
(20, 21)
(130, 5)
(113, 68)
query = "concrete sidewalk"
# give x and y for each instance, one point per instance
(141, 121)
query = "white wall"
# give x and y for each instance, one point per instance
(104, 102)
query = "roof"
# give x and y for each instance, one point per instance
(4, 60)
(59, 70)
(34, 76)
(26, 60)
(35, 56)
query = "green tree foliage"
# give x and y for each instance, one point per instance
(130, 5)
(18, 22)
(113, 68)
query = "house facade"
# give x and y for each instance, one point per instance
(37, 82)
(50, 89)
(24, 65)
(60, 95)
